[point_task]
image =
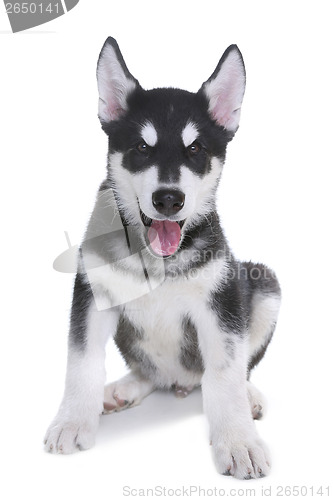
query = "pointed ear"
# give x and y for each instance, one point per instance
(115, 82)
(225, 89)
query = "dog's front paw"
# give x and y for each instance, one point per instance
(243, 460)
(66, 435)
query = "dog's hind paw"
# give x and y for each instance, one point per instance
(125, 393)
(257, 401)
(182, 392)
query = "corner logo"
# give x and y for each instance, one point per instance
(25, 15)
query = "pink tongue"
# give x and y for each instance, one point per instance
(164, 237)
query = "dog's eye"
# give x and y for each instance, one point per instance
(142, 147)
(194, 148)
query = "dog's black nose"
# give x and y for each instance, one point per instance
(168, 202)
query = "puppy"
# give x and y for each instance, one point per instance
(156, 274)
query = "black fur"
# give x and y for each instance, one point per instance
(126, 339)
(191, 357)
(228, 303)
(82, 299)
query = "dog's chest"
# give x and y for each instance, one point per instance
(160, 336)
(158, 329)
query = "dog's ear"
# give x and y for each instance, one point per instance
(225, 89)
(115, 82)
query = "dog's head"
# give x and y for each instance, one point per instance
(167, 146)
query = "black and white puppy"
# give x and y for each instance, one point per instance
(155, 271)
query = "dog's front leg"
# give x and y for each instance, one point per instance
(76, 422)
(237, 448)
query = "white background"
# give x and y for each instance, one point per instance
(276, 207)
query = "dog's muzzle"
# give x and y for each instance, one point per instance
(164, 235)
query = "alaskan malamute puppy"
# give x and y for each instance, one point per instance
(156, 274)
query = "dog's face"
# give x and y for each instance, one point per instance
(167, 146)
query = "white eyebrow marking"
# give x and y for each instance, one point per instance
(189, 134)
(149, 134)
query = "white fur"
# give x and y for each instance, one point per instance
(76, 423)
(189, 134)
(256, 400)
(225, 92)
(199, 192)
(130, 390)
(124, 188)
(149, 134)
(236, 445)
(265, 312)
(145, 184)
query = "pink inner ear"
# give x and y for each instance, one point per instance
(224, 106)
(114, 111)
(110, 110)
(226, 109)
(220, 114)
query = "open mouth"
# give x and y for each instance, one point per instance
(163, 235)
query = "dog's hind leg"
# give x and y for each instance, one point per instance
(265, 305)
(126, 392)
